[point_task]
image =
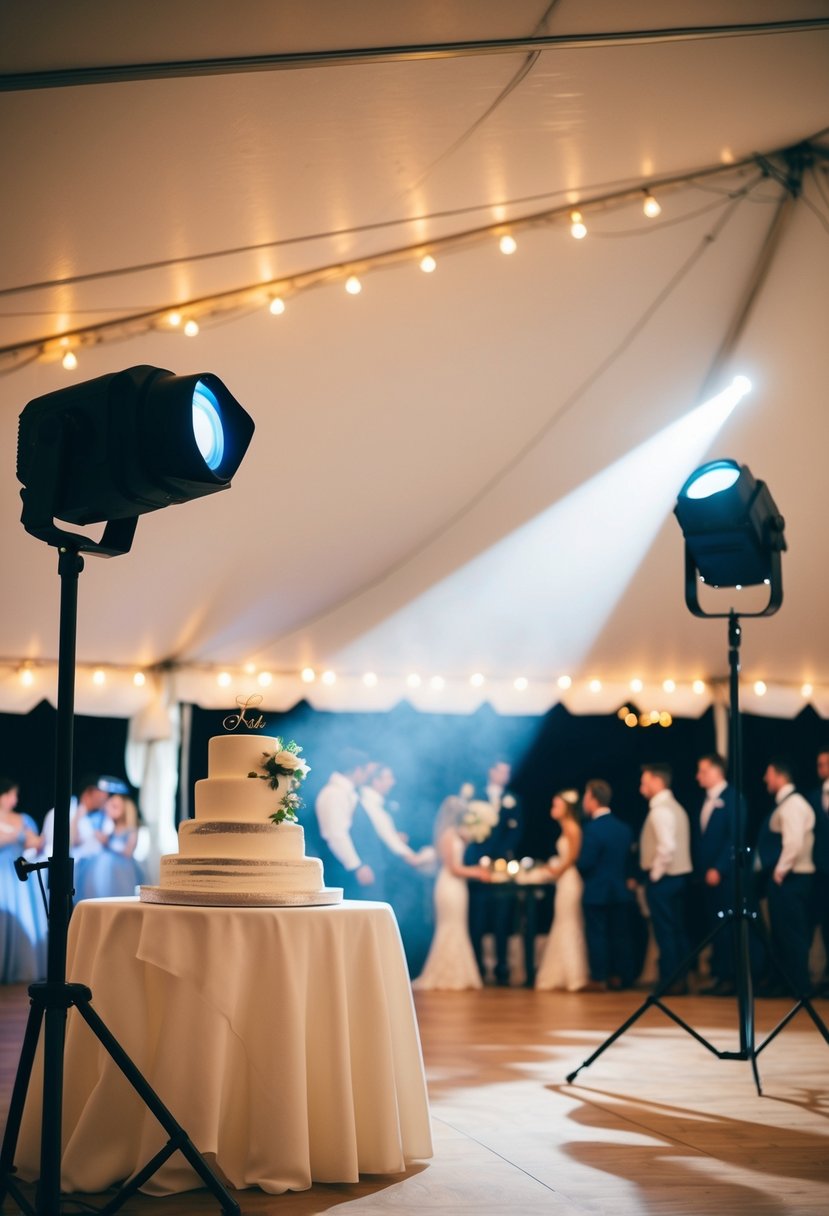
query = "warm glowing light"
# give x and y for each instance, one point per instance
(249, 669)
(370, 679)
(139, 679)
(174, 320)
(623, 712)
(413, 680)
(277, 306)
(70, 360)
(521, 683)
(636, 685)
(631, 720)
(353, 285)
(477, 679)
(698, 687)
(760, 688)
(564, 682)
(578, 228)
(191, 328)
(308, 675)
(329, 677)
(437, 682)
(807, 690)
(513, 866)
(669, 685)
(651, 207)
(264, 679)
(27, 677)
(508, 244)
(428, 264)
(595, 686)
(644, 720)
(665, 718)
(223, 679)
(99, 677)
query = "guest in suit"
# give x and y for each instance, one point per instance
(665, 856)
(712, 849)
(340, 819)
(792, 822)
(819, 798)
(489, 913)
(375, 836)
(604, 864)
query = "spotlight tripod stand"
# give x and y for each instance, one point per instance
(740, 919)
(50, 1001)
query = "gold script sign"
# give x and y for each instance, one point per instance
(246, 705)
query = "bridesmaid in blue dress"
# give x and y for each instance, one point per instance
(112, 870)
(22, 914)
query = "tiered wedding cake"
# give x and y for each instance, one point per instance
(244, 845)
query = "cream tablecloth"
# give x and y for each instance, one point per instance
(282, 1039)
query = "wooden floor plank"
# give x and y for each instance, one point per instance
(656, 1125)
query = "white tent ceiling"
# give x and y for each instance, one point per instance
(467, 471)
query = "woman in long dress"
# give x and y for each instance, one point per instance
(22, 914)
(112, 870)
(564, 964)
(451, 962)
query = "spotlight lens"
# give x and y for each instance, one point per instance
(713, 480)
(207, 426)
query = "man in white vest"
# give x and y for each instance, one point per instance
(792, 827)
(665, 857)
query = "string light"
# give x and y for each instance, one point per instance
(353, 285)
(223, 679)
(264, 679)
(437, 682)
(370, 679)
(665, 718)
(139, 679)
(191, 328)
(508, 244)
(329, 677)
(698, 687)
(70, 361)
(564, 682)
(578, 228)
(653, 716)
(428, 264)
(636, 685)
(277, 306)
(669, 685)
(760, 688)
(595, 686)
(308, 675)
(521, 683)
(250, 669)
(806, 690)
(99, 677)
(650, 206)
(631, 720)
(27, 677)
(413, 680)
(174, 320)
(477, 679)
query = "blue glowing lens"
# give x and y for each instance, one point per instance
(713, 480)
(207, 426)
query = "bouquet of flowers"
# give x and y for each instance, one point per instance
(477, 821)
(284, 770)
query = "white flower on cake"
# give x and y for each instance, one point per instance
(284, 769)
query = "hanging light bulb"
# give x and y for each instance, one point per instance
(329, 677)
(595, 686)
(139, 679)
(413, 680)
(578, 228)
(276, 306)
(564, 682)
(806, 690)
(636, 685)
(70, 361)
(250, 669)
(507, 244)
(264, 679)
(698, 687)
(223, 679)
(669, 685)
(370, 679)
(191, 328)
(760, 688)
(308, 675)
(99, 678)
(477, 679)
(27, 677)
(437, 682)
(353, 285)
(174, 319)
(521, 683)
(428, 264)
(651, 206)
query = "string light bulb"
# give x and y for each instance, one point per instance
(578, 228)
(636, 685)
(329, 677)
(521, 683)
(276, 306)
(428, 264)
(27, 677)
(174, 320)
(370, 679)
(223, 679)
(139, 679)
(595, 686)
(806, 690)
(308, 675)
(564, 682)
(99, 677)
(70, 361)
(507, 244)
(191, 328)
(477, 679)
(651, 206)
(698, 687)
(353, 285)
(437, 682)
(760, 688)
(264, 679)
(669, 685)
(413, 680)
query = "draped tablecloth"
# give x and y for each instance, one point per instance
(283, 1040)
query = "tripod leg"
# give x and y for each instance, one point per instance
(150, 1098)
(18, 1100)
(802, 1001)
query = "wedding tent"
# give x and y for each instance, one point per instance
(467, 471)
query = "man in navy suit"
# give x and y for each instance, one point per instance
(819, 798)
(712, 848)
(604, 863)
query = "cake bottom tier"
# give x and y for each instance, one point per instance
(218, 875)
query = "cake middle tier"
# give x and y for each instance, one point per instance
(215, 875)
(247, 841)
(236, 799)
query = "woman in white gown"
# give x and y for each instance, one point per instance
(564, 963)
(451, 963)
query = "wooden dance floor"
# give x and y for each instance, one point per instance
(656, 1125)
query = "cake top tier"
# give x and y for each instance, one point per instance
(237, 755)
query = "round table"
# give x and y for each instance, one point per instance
(283, 1040)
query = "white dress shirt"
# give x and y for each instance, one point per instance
(335, 811)
(382, 822)
(665, 844)
(713, 799)
(794, 819)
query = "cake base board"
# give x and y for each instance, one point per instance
(239, 899)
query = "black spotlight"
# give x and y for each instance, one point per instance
(733, 531)
(123, 444)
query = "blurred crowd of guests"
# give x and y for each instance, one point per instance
(103, 835)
